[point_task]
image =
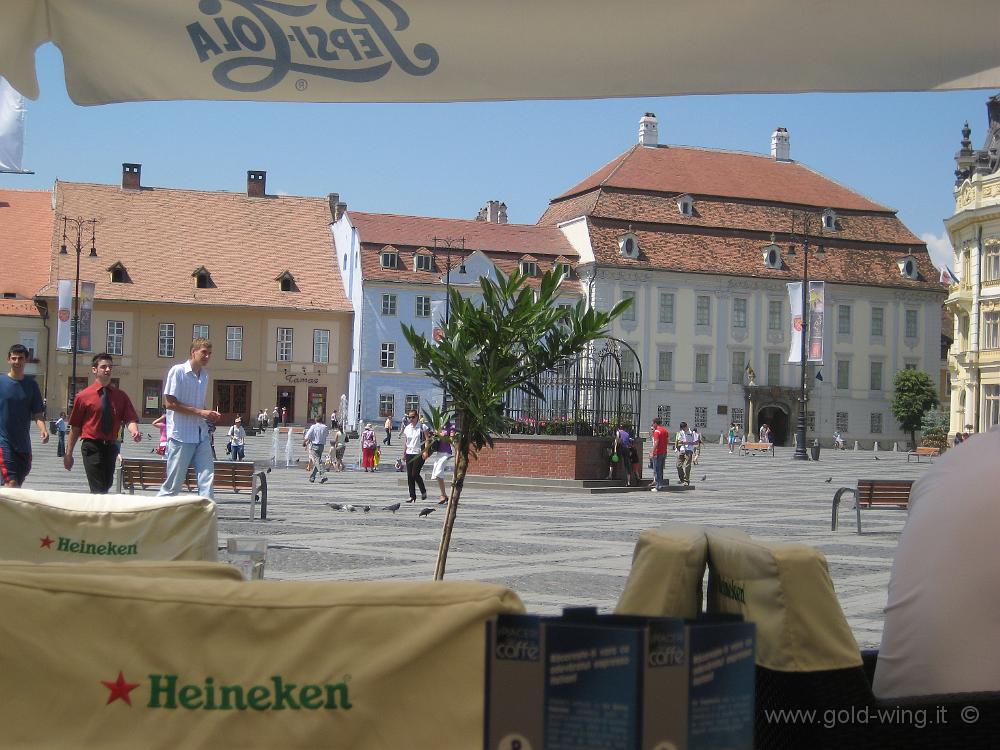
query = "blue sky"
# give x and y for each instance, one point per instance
(449, 159)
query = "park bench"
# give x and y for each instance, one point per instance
(230, 476)
(888, 493)
(752, 449)
(923, 451)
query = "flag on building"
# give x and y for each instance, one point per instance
(948, 276)
(11, 128)
(819, 375)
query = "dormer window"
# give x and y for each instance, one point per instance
(389, 258)
(908, 267)
(423, 262)
(529, 267)
(119, 275)
(286, 282)
(628, 245)
(685, 204)
(202, 278)
(829, 220)
(772, 254)
(565, 270)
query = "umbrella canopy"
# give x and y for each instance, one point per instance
(442, 50)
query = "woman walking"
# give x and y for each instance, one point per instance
(237, 440)
(368, 442)
(622, 447)
(337, 446)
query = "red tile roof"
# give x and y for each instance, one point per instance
(25, 237)
(162, 235)
(728, 174)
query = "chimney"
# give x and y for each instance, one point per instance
(494, 212)
(131, 176)
(339, 210)
(256, 184)
(648, 133)
(333, 199)
(781, 146)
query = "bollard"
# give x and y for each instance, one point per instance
(895, 447)
(875, 449)
(855, 445)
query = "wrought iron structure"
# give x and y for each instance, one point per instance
(587, 395)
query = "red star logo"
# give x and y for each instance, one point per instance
(46, 542)
(120, 688)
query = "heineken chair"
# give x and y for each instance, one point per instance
(39, 526)
(154, 569)
(668, 567)
(119, 661)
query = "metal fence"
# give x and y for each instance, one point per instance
(588, 395)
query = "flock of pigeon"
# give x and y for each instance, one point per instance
(367, 508)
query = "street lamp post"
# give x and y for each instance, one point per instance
(800, 427)
(79, 225)
(448, 243)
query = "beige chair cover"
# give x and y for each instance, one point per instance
(125, 662)
(38, 526)
(175, 569)
(668, 567)
(786, 590)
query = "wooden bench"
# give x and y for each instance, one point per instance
(891, 493)
(922, 451)
(752, 449)
(230, 476)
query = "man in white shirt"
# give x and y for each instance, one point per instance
(315, 440)
(685, 453)
(942, 615)
(188, 420)
(417, 447)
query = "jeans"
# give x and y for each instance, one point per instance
(61, 445)
(182, 455)
(658, 462)
(318, 467)
(238, 452)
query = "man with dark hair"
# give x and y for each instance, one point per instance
(99, 411)
(20, 403)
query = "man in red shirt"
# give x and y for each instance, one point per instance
(661, 439)
(98, 413)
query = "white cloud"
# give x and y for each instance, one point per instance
(939, 248)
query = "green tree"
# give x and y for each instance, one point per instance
(914, 396)
(489, 348)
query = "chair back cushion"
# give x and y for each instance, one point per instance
(152, 569)
(126, 662)
(40, 526)
(668, 567)
(785, 589)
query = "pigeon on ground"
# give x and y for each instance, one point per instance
(367, 508)
(828, 480)
(350, 508)
(425, 512)
(876, 458)
(705, 478)
(394, 507)
(335, 506)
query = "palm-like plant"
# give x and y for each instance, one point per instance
(488, 348)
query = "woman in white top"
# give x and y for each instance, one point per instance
(237, 440)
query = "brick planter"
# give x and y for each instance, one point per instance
(545, 457)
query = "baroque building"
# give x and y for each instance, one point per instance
(974, 297)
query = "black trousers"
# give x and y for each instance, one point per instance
(414, 465)
(99, 458)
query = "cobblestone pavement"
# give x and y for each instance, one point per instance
(553, 548)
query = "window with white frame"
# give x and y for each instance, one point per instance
(665, 366)
(810, 420)
(876, 423)
(321, 346)
(701, 367)
(388, 304)
(565, 270)
(736, 415)
(701, 417)
(991, 330)
(411, 403)
(423, 306)
(843, 374)
(423, 262)
(629, 313)
(529, 268)
(739, 312)
(738, 367)
(199, 331)
(116, 337)
(165, 340)
(774, 368)
(389, 259)
(703, 311)
(844, 320)
(991, 262)
(878, 321)
(284, 344)
(663, 412)
(666, 308)
(875, 381)
(991, 406)
(630, 366)
(387, 357)
(841, 421)
(386, 404)
(911, 324)
(775, 312)
(234, 342)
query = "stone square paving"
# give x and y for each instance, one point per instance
(553, 548)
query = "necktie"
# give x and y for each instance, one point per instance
(105, 412)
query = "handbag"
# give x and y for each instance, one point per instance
(229, 447)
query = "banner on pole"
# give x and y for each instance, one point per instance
(83, 341)
(437, 320)
(11, 129)
(64, 333)
(795, 305)
(816, 313)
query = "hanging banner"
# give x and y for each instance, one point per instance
(11, 128)
(84, 343)
(64, 333)
(817, 304)
(437, 320)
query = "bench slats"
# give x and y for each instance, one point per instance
(893, 493)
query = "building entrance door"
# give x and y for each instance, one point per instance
(286, 399)
(775, 418)
(232, 399)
